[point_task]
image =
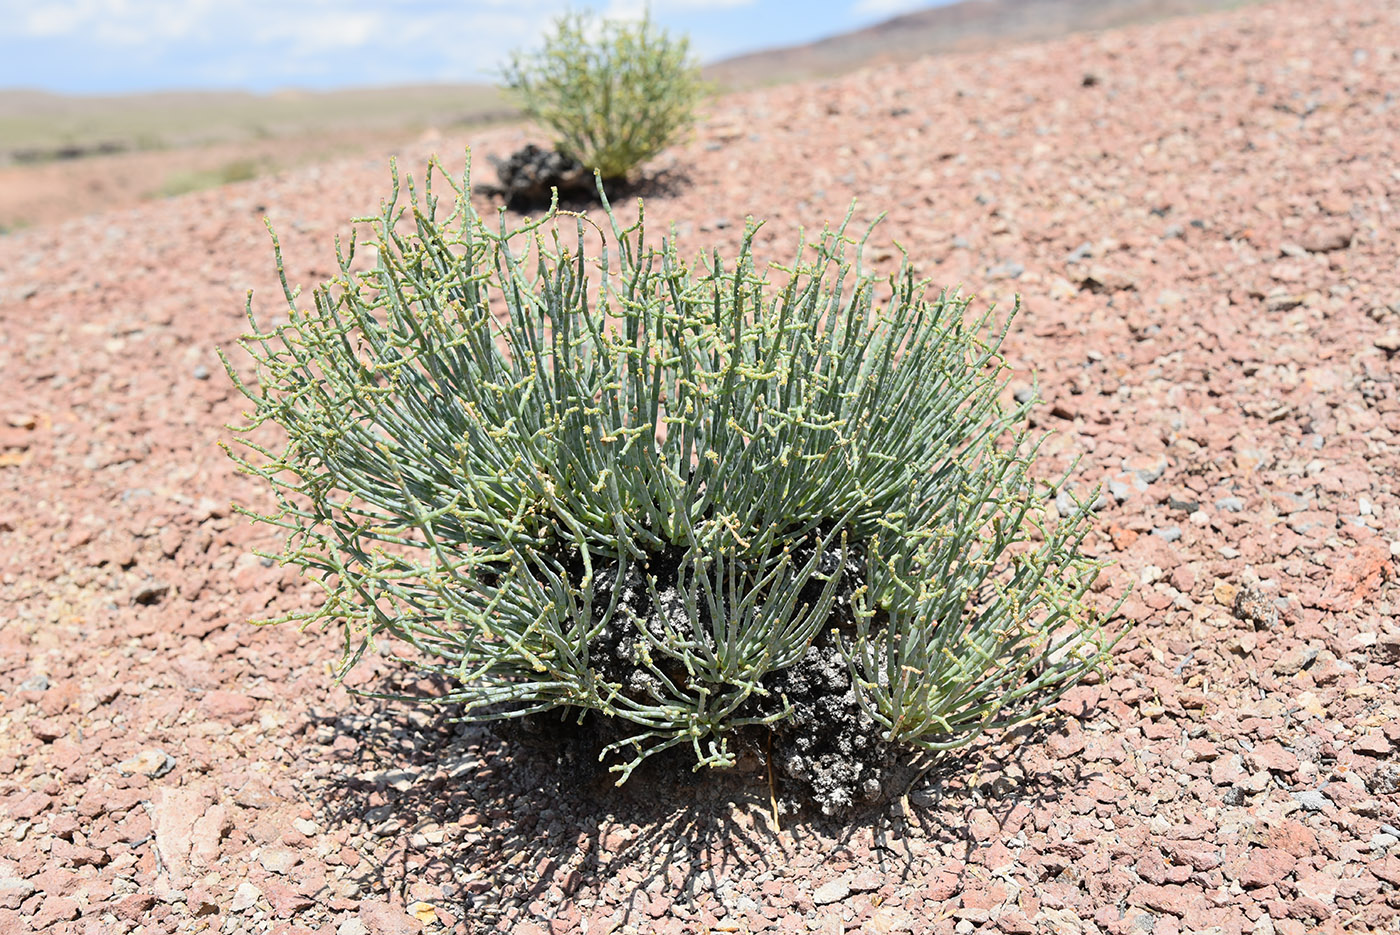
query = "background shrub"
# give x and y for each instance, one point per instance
(577, 472)
(614, 92)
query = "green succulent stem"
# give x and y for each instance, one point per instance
(501, 443)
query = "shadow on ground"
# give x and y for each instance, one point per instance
(512, 820)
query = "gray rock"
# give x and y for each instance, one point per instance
(1008, 269)
(1183, 504)
(1150, 475)
(1295, 661)
(1312, 800)
(1168, 533)
(14, 890)
(154, 763)
(831, 892)
(1065, 503)
(1230, 504)
(35, 683)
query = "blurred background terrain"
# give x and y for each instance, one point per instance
(69, 155)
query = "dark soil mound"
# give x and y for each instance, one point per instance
(823, 749)
(530, 175)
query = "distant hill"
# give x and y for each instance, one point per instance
(36, 126)
(969, 26)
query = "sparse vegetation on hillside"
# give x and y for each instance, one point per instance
(614, 93)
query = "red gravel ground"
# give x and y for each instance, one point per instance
(1202, 218)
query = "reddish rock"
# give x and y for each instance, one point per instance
(207, 833)
(75, 855)
(867, 881)
(1273, 757)
(176, 811)
(1356, 578)
(983, 825)
(943, 884)
(1014, 922)
(55, 909)
(1292, 837)
(28, 806)
(201, 901)
(1373, 743)
(64, 826)
(1197, 856)
(1324, 238)
(1066, 743)
(285, 899)
(1081, 701)
(1387, 869)
(1151, 867)
(59, 698)
(1264, 867)
(228, 707)
(1174, 899)
(132, 908)
(383, 919)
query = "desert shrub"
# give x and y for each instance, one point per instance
(571, 470)
(614, 92)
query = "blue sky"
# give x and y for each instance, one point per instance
(117, 46)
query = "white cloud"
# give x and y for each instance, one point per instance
(866, 8)
(269, 42)
(53, 20)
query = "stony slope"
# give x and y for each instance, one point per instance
(1201, 218)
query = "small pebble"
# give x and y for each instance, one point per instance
(245, 897)
(1312, 800)
(1167, 533)
(831, 892)
(153, 762)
